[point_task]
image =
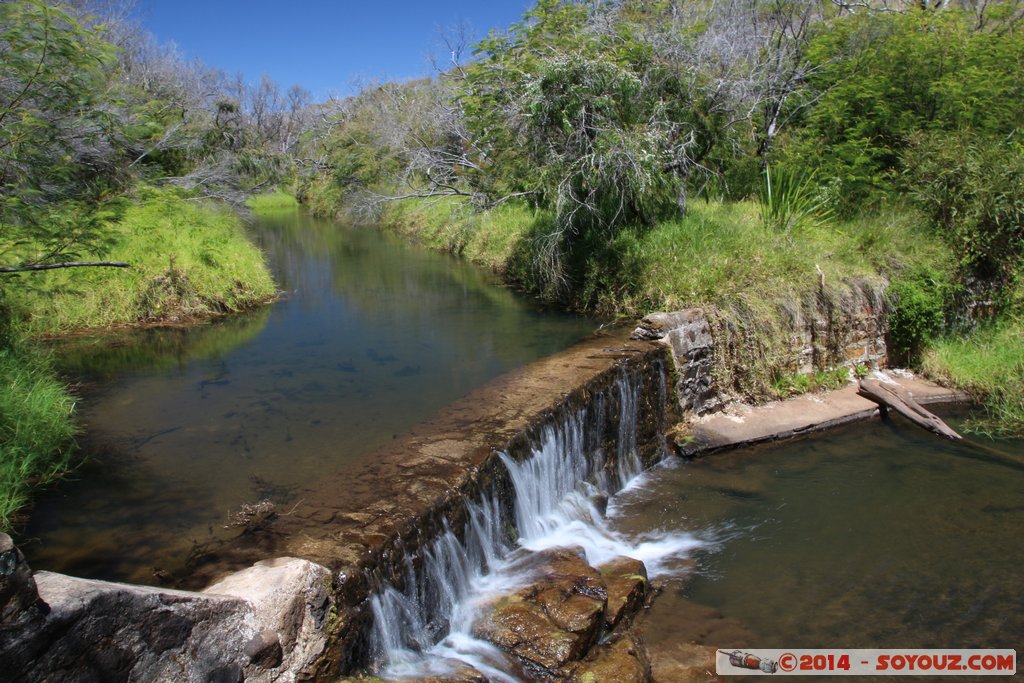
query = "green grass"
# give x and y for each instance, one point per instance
(988, 364)
(720, 253)
(189, 260)
(36, 426)
(271, 202)
(793, 384)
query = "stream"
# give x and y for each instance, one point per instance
(872, 535)
(184, 426)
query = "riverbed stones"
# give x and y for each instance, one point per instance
(625, 580)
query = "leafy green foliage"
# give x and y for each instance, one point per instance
(972, 190)
(919, 299)
(60, 138)
(882, 77)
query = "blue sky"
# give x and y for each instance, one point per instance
(322, 45)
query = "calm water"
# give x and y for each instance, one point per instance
(184, 426)
(871, 536)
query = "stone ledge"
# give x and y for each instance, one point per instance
(742, 425)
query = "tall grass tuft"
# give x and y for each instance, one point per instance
(789, 202)
(36, 426)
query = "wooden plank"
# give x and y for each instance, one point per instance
(895, 397)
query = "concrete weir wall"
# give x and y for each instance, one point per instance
(305, 615)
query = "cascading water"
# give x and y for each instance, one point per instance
(426, 627)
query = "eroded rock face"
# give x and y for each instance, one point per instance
(688, 334)
(621, 660)
(266, 623)
(291, 600)
(19, 599)
(554, 625)
(626, 582)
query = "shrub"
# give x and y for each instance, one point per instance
(789, 202)
(972, 190)
(918, 312)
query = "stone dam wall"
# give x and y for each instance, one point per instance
(848, 328)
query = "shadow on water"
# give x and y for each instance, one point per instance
(185, 426)
(873, 535)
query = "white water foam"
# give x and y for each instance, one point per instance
(426, 628)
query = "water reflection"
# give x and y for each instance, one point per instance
(186, 425)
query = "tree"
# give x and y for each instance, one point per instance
(884, 77)
(61, 140)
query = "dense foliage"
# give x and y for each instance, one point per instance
(611, 115)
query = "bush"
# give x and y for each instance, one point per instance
(972, 190)
(918, 312)
(789, 202)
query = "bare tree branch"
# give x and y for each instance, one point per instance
(66, 264)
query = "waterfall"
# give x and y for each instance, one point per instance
(629, 464)
(555, 488)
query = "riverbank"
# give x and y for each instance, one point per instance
(190, 261)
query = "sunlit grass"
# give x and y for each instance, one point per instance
(36, 426)
(188, 260)
(272, 202)
(719, 254)
(988, 364)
